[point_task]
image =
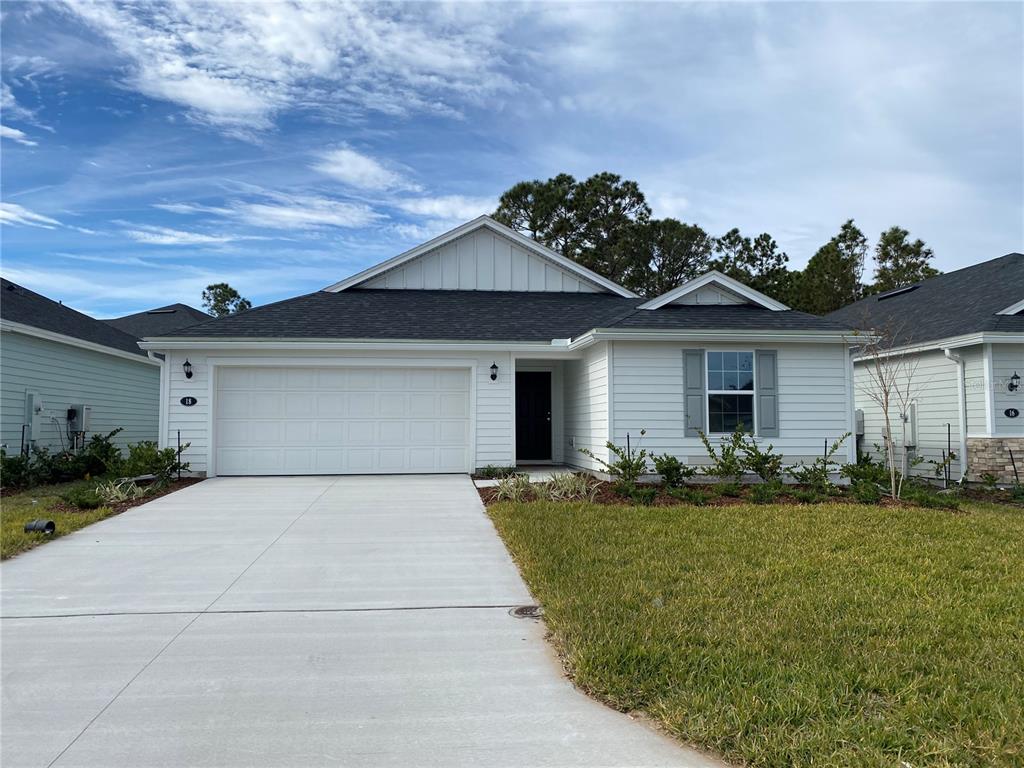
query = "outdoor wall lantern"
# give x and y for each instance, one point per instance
(1014, 384)
(494, 371)
(187, 367)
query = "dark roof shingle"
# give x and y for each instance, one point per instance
(20, 305)
(162, 320)
(478, 316)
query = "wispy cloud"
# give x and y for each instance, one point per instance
(15, 215)
(6, 132)
(237, 67)
(360, 171)
(279, 210)
(152, 235)
(448, 207)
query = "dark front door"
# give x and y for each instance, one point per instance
(533, 416)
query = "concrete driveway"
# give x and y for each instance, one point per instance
(356, 621)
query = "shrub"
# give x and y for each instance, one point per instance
(731, 490)
(514, 488)
(629, 464)
(83, 498)
(925, 497)
(764, 463)
(693, 496)
(866, 491)
(145, 458)
(988, 481)
(1017, 492)
(808, 496)
(868, 470)
(15, 471)
(726, 462)
(570, 487)
(817, 475)
(115, 491)
(673, 472)
(491, 472)
(766, 493)
(644, 495)
(100, 456)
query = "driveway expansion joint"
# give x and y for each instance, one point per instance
(243, 611)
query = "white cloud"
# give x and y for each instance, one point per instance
(14, 215)
(276, 210)
(457, 208)
(10, 105)
(151, 235)
(238, 66)
(190, 208)
(671, 206)
(6, 132)
(360, 171)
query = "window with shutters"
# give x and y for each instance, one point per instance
(730, 391)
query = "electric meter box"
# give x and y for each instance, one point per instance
(80, 418)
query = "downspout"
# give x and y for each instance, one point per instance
(961, 392)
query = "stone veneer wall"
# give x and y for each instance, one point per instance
(992, 455)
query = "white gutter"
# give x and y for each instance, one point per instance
(950, 342)
(961, 392)
(711, 335)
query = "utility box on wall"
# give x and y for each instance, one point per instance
(79, 418)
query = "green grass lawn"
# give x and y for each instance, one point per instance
(833, 635)
(17, 509)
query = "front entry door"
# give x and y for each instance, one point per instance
(533, 416)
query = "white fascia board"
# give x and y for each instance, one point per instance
(950, 342)
(464, 229)
(1013, 309)
(714, 276)
(29, 330)
(709, 336)
(546, 348)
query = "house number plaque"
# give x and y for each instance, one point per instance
(1011, 413)
(188, 401)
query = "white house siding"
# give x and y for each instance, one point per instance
(1007, 359)
(647, 393)
(586, 406)
(934, 387)
(121, 392)
(493, 412)
(975, 389)
(481, 261)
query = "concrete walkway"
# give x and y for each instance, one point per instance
(356, 621)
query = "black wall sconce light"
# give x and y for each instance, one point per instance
(1014, 384)
(187, 367)
(494, 371)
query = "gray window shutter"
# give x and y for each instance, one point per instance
(696, 392)
(767, 393)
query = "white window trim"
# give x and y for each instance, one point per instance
(708, 392)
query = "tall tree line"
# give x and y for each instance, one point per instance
(605, 224)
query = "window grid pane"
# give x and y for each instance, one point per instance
(731, 371)
(725, 412)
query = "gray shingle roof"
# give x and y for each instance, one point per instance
(20, 305)
(162, 320)
(477, 316)
(952, 304)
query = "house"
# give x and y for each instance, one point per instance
(155, 322)
(958, 340)
(483, 347)
(65, 375)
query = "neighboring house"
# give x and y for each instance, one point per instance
(155, 322)
(483, 347)
(960, 339)
(59, 366)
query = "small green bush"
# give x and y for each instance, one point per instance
(730, 490)
(514, 488)
(763, 462)
(865, 491)
(1017, 492)
(726, 461)
(989, 481)
(693, 496)
(629, 464)
(766, 493)
(673, 472)
(817, 474)
(866, 470)
(644, 495)
(83, 498)
(808, 496)
(491, 472)
(578, 486)
(15, 471)
(115, 491)
(925, 497)
(144, 458)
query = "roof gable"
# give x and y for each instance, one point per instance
(161, 320)
(482, 255)
(714, 288)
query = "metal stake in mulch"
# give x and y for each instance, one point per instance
(1016, 477)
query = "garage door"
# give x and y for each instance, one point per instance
(299, 421)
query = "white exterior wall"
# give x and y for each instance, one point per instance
(1007, 359)
(586, 406)
(482, 261)
(934, 387)
(815, 403)
(492, 415)
(976, 389)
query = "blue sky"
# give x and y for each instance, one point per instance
(149, 150)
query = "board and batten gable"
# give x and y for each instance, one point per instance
(492, 437)
(482, 260)
(122, 393)
(648, 393)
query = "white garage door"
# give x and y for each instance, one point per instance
(301, 421)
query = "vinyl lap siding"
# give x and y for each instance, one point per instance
(586, 406)
(122, 393)
(1007, 359)
(493, 398)
(647, 387)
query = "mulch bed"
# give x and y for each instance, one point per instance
(121, 506)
